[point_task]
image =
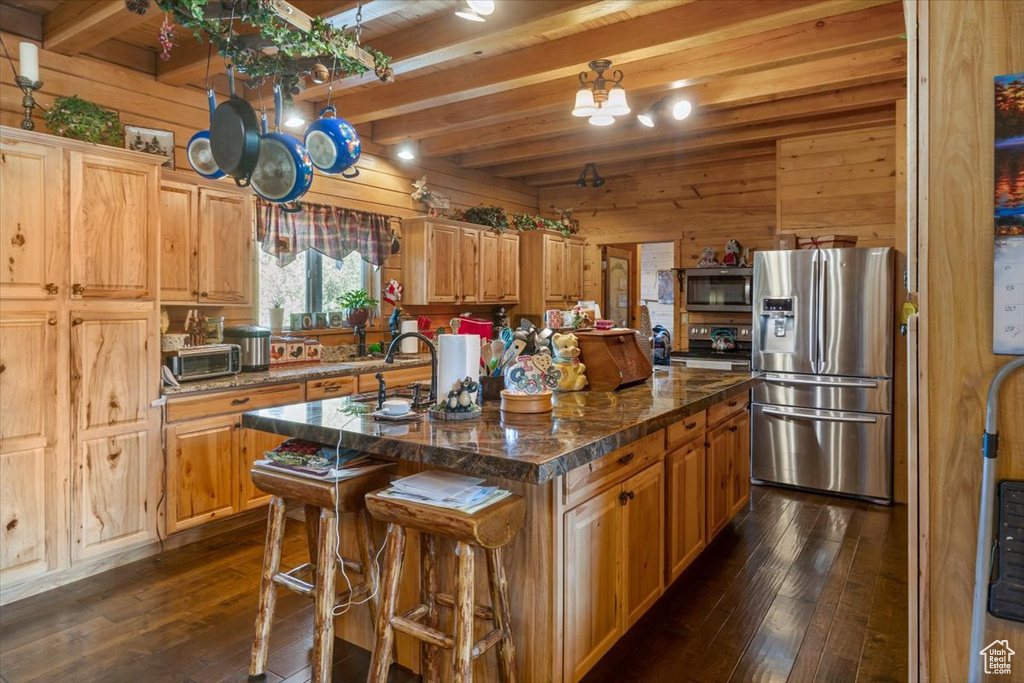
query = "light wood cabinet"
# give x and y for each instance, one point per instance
(728, 470)
(739, 490)
(33, 220)
(33, 482)
(202, 471)
(114, 227)
(643, 509)
(114, 483)
(446, 262)
(206, 244)
(686, 532)
(551, 270)
(252, 446)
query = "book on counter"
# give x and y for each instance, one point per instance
(314, 461)
(446, 490)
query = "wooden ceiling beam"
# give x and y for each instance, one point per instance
(688, 26)
(793, 45)
(76, 26)
(831, 102)
(448, 37)
(736, 136)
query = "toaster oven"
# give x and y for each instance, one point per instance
(203, 362)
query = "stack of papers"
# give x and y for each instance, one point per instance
(446, 490)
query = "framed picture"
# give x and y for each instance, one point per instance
(150, 141)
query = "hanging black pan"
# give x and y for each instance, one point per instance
(235, 136)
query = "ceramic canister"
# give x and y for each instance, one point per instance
(532, 374)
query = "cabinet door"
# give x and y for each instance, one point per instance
(719, 500)
(492, 275)
(686, 531)
(469, 266)
(32, 489)
(508, 265)
(114, 210)
(179, 242)
(201, 471)
(593, 604)
(739, 490)
(110, 375)
(33, 220)
(225, 247)
(443, 270)
(254, 444)
(643, 508)
(554, 268)
(573, 270)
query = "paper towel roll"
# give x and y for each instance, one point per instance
(458, 357)
(409, 345)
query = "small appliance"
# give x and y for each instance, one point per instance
(204, 362)
(718, 290)
(255, 344)
(717, 347)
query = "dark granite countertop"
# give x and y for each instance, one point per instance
(583, 426)
(296, 373)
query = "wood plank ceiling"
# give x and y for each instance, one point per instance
(497, 95)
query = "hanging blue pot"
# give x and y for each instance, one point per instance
(200, 156)
(284, 170)
(333, 144)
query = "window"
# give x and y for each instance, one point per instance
(312, 282)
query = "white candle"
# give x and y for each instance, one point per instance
(29, 54)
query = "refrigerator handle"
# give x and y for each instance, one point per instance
(815, 310)
(822, 311)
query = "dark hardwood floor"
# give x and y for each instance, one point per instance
(798, 587)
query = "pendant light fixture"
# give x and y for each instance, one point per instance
(475, 10)
(600, 98)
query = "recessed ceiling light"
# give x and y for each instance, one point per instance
(483, 7)
(469, 13)
(405, 152)
(294, 120)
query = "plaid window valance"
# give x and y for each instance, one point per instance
(332, 230)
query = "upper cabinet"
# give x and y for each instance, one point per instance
(552, 270)
(33, 220)
(206, 252)
(447, 262)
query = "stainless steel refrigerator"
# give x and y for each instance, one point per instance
(822, 336)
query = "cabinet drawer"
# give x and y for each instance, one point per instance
(583, 482)
(234, 401)
(395, 378)
(732, 405)
(331, 387)
(685, 430)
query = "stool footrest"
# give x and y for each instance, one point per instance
(295, 584)
(416, 613)
(479, 611)
(489, 640)
(422, 632)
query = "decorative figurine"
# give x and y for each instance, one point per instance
(567, 351)
(707, 258)
(732, 254)
(437, 204)
(460, 399)
(532, 374)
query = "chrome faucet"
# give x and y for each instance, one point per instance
(390, 358)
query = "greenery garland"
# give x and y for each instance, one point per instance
(499, 220)
(294, 46)
(73, 117)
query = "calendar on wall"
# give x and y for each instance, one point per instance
(1008, 280)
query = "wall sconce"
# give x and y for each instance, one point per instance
(28, 80)
(598, 181)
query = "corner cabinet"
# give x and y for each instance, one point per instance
(552, 265)
(206, 248)
(449, 262)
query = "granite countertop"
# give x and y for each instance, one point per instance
(297, 373)
(583, 426)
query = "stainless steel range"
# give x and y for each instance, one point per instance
(717, 347)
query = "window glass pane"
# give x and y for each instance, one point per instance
(340, 277)
(287, 284)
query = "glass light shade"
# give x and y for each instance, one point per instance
(469, 13)
(585, 105)
(406, 153)
(483, 7)
(602, 119)
(646, 119)
(681, 109)
(616, 104)
(294, 120)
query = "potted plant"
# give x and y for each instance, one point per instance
(277, 313)
(358, 305)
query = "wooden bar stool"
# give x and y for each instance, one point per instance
(323, 501)
(491, 529)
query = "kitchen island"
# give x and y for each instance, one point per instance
(624, 489)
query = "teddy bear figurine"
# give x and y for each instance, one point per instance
(732, 254)
(707, 258)
(567, 351)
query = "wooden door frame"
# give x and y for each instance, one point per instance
(628, 252)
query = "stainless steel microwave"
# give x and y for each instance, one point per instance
(724, 290)
(203, 362)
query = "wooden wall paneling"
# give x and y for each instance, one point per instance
(967, 44)
(900, 383)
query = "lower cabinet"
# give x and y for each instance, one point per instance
(614, 555)
(254, 444)
(686, 531)
(202, 471)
